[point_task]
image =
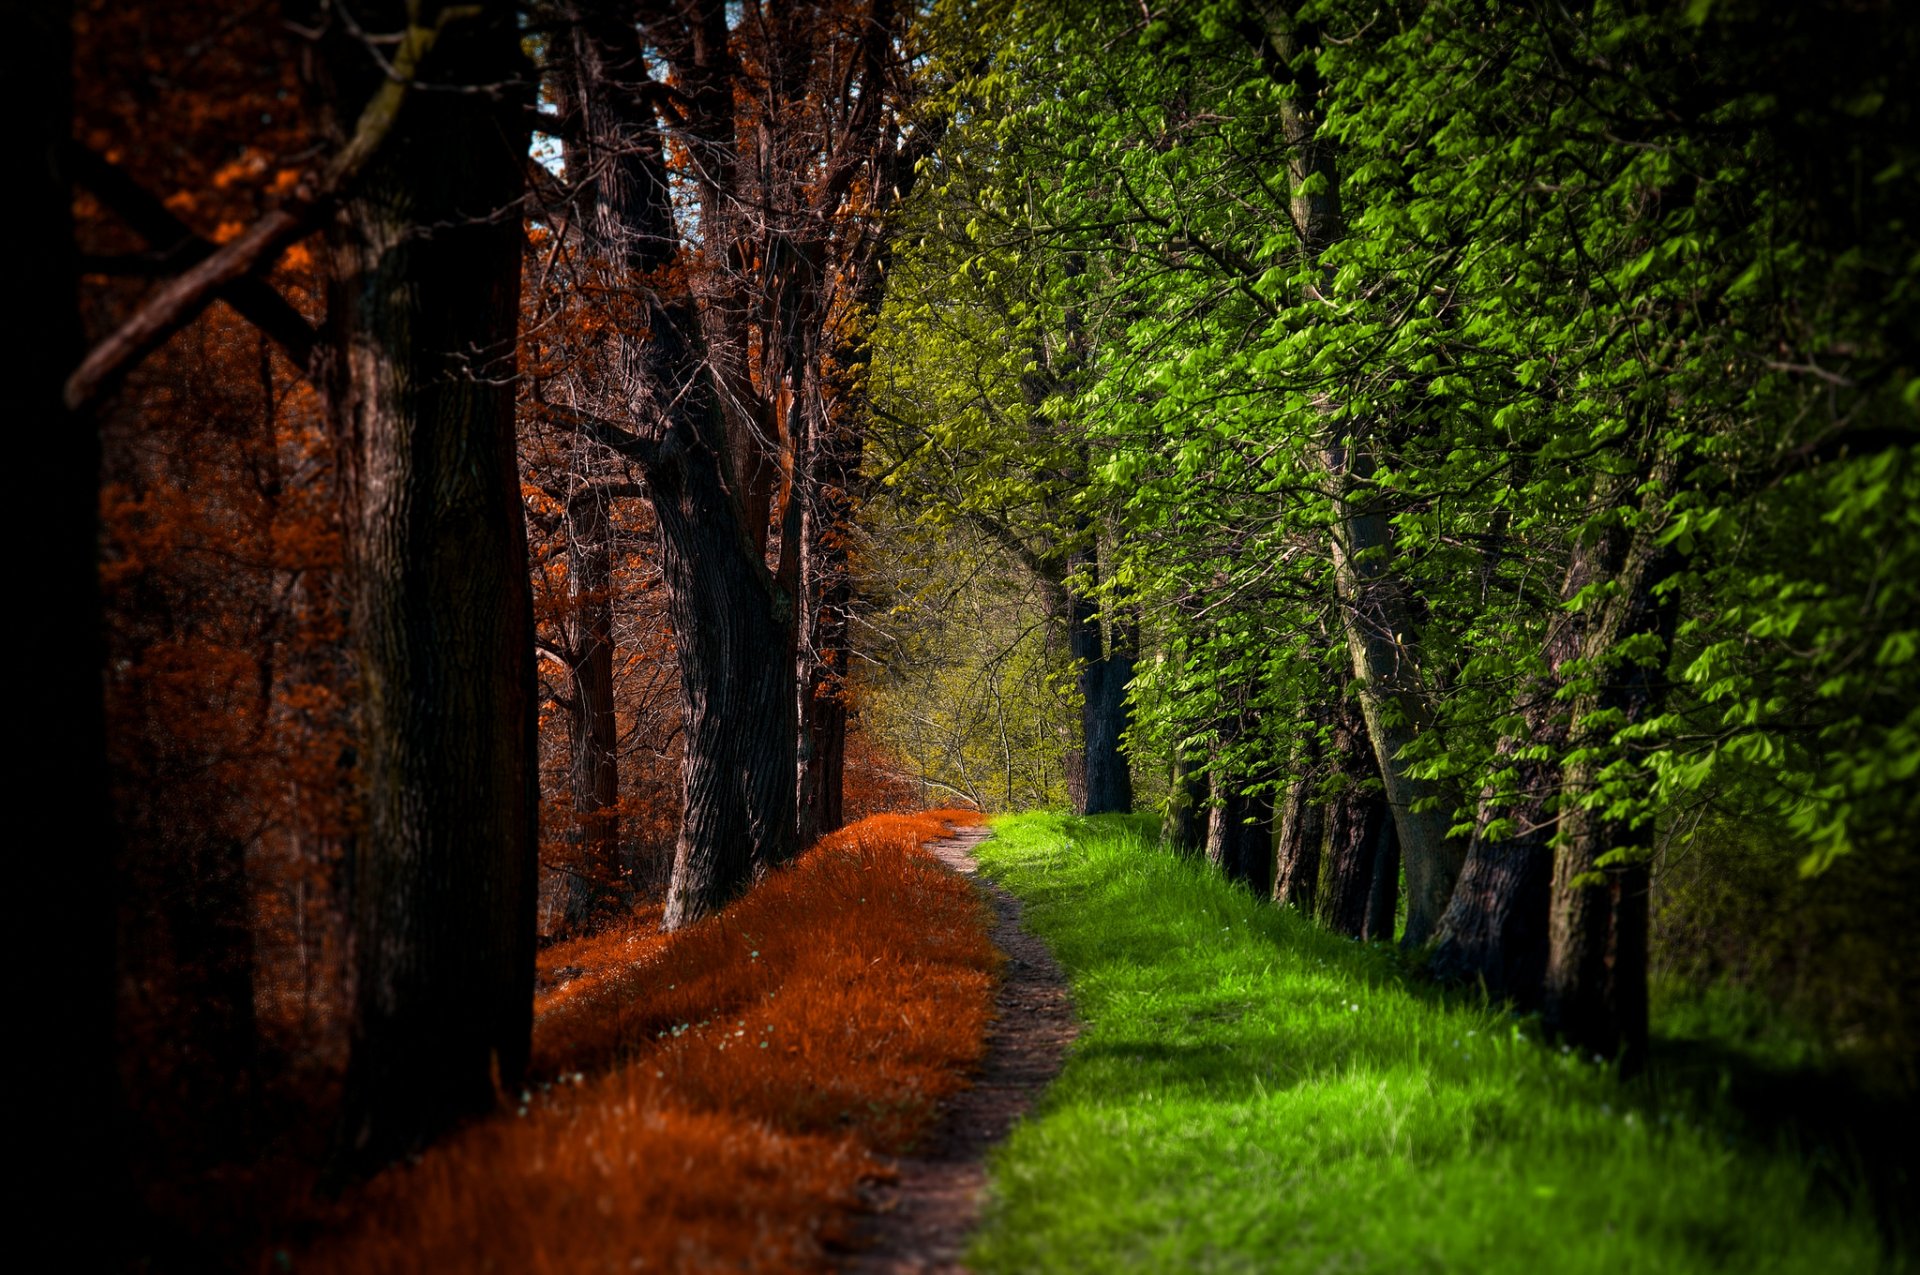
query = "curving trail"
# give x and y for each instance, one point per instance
(921, 1221)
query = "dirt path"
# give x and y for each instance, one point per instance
(921, 1222)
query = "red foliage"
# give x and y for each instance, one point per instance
(712, 1098)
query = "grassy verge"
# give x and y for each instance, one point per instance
(1252, 1093)
(710, 1099)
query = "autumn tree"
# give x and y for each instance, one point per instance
(424, 296)
(776, 122)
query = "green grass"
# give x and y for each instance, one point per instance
(1253, 1093)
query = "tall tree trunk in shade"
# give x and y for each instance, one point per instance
(1377, 614)
(1358, 829)
(1184, 826)
(424, 305)
(732, 619)
(1596, 978)
(1105, 671)
(733, 636)
(1376, 611)
(827, 516)
(67, 877)
(1239, 836)
(1494, 930)
(1383, 899)
(594, 768)
(1298, 840)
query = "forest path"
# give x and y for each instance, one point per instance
(921, 1222)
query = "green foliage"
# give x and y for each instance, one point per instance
(1641, 269)
(961, 680)
(1253, 1093)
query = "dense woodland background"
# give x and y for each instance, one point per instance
(498, 467)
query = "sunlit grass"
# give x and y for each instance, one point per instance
(1253, 1093)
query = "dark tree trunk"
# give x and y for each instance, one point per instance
(1377, 610)
(1495, 928)
(1357, 821)
(1239, 836)
(1377, 606)
(66, 884)
(826, 588)
(1383, 900)
(733, 635)
(1296, 878)
(732, 621)
(1596, 979)
(1184, 827)
(424, 304)
(1106, 669)
(594, 769)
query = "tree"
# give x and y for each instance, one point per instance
(780, 124)
(68, 877)
(423, 313)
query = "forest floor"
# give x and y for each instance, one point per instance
(923, 1219)
(717, 1098)
(1252, 1092)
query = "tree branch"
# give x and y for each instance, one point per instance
(173, 305)
(252, 298)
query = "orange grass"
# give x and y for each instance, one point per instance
(711, 1099)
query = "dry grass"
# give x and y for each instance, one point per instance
(711, 1099)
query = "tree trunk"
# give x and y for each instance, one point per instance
(734, 637)
(1105, 671)
(425, 303)
(1383, 900)
(594, 770)
(1239, 840)
(1184, 826)
(732, 621)
(1376, 609)
(1356, 829)
(826, 587)
(1297, 847)
(67, 885)
(1377, 614)
(1596, 979)
(1495, 928)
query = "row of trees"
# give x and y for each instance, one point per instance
(1492, 425)
(332, 648)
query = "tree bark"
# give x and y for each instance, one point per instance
(1297, 847)
(1383, 899)
(1184, 827)
(424, 304)
(826, 585)
(1357, 823)
(734, 637)
(1377, 614)
(1596, 979)
(1105, 671)
(594, 768)
(67, 878)
(1376, 607)
(733, 621)
(1494, 930)
(1239, 840)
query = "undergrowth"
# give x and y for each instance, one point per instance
(711, 1099)
(1255, 1093)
